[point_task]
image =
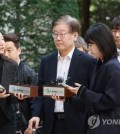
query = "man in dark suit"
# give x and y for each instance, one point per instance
(8, 75)
(62, 116)
(26, 74)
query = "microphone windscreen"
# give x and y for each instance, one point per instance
(60, 79)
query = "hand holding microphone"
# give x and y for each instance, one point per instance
(74, 89)
(3, 92)
(59, 82)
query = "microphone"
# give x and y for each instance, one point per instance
(52, 83)
(60, 81)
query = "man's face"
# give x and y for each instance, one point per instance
(64, 40)
(11, 51)
(116, 34)
(2, 44)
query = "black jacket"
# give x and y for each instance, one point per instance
(26, 75)
(9, 76)
(102, 100)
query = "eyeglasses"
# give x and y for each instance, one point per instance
(62, 35)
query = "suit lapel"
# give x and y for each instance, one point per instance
(53, 67)
(74, 64)
(53, 73)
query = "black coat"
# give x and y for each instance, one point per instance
(80, 71)
(9, 76)
(26, 76)
(103, 99)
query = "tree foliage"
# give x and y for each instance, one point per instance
(31, 20)
(104, 11)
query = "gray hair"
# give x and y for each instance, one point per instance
(71, 21)
(81, 42)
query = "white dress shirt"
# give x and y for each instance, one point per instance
(118, 50)
(62, 71)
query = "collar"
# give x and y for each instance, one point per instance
(18, 62)
(69, 55)
(118, 50)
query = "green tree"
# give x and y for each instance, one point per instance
(84, 14)
(92, 11)
(104, 11)
(31, 20)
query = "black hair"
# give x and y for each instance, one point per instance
(102, 36)
(12, 37)
(116, 23)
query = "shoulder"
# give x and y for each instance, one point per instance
(25, 66)
(112, 65)
(84, 56)
(50, 56)
(53, 54)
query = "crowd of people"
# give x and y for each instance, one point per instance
(90, 69)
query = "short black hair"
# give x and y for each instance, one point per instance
(12, 37)
(116, 22)
(103, 37)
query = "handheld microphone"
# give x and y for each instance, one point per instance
(60, 81)
(52, 83)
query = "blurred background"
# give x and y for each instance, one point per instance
(31, 20)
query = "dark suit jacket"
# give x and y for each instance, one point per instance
(103, 98)
(80, 71)
(9, 76)
(28, 76)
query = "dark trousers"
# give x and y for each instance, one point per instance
(59, 126)
(9, 126)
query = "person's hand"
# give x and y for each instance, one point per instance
(20, 96)
(55, 97)
(33, 123)
(3, 94)
(73, 89)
